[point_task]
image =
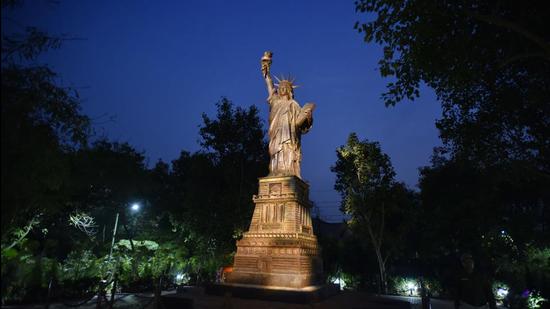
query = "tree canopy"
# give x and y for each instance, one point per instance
(489, 65)
(41, 123)
(488, 62)
(377, 204)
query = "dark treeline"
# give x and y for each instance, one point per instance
(63, 189)
(486, 192)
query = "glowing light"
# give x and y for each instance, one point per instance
(502, 292)
(407, 287)
(341, 283)
(182, 278)
(135, 207)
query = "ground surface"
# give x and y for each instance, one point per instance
(345, 299)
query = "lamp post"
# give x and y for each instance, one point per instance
(135, 207)
(114, 235)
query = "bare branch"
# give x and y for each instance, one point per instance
(22, 233)
(84, 222)
(501, 22)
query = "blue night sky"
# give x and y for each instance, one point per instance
(156, 66)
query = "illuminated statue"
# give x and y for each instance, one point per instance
(287, 122)
(280, 248)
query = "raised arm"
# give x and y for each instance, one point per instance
(266, 65)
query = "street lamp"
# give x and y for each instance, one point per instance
(135, 207)
(114, 234)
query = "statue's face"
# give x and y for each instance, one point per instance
(285, 91)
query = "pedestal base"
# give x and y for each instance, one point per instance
(279, 249)
(271, 280)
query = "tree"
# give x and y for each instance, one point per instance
(488, 62)
(41, 123)
(377, 204)
(236, 142)
(212, 188)
(498, 214)
(42, 127)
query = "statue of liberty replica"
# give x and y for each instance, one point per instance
(287, 122)
(280, 250)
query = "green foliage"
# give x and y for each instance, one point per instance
(489, 65)
(433, 287)
(487, 62)
(25, 276)
(347, 281)
(213, 187)
(538, 259)
(146, 244)
(363, 175)
(41, 123)
(404, 286)
(378, 206)
(191, 211)
(17, 235)
(487, 212)
(236, 134)
(80, 265)
(407, 286)
(535, 301)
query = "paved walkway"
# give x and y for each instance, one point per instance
(416, 302)
(344, 300)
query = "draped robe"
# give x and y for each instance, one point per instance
(287, 122)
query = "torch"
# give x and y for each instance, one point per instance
(266, 62)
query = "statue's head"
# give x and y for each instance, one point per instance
(286, 89)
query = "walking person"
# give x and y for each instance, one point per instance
(473, 290)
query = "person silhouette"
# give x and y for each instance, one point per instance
(473, 290)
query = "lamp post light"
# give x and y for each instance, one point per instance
(135, 207)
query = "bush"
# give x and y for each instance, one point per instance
(411, 287)
(25, 278)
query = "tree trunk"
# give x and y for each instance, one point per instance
(377, 244)
(158, 293)
(382, 271)
(113, 291)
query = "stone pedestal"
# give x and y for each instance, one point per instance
(279, 249)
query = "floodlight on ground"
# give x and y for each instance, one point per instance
(339, 281)
(412, 287)
(502, 292)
